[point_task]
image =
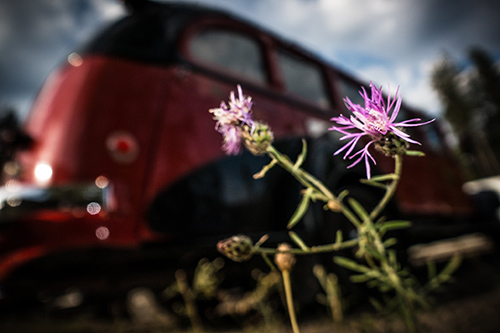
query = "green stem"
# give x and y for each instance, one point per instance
(312, 249)
(289, 300)
(391, 188)
(302, 176)
(310, 181)
(189, 301)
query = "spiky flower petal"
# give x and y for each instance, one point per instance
(230, 118)
(375, 119)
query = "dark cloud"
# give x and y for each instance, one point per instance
(459, 25)
(36, 36)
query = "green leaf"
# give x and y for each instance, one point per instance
(392, 258)
(362, 213)
(414, 153)
(390, 242)
(374, 184)
(361, 278)
(445, 274)
(431, 270)
(261, 241)
(297, 240)
(268, 262)
(394, 225)
(342, 195)
(376, 304)
(339, 237)
(300, 211)
(302, 156)
(265, 169)
(374, 253)
(373, 284)
(351, 264)
(452, 266)
(381, 178)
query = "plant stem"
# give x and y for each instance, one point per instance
(189, 301)
(312, 249)
(391, 188)
(289, 300)
(302, 176)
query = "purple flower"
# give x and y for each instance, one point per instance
(231, 118)
(375, 120)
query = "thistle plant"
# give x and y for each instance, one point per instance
(373, 125)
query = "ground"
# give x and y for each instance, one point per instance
(470, 304)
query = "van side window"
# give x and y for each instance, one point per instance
(303, 78)
(351, 89)
(230, 51)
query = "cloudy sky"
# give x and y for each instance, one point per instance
(394, 42)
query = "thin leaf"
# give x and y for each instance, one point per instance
(268, 262)
(351, 264)
(431, 270)
(342, 195)
(381, 178)
(361, 278)
(374, 184)
(452, 265)
(376, 304)
(299, 212)
(394, 225)
(301, 158)
(339, 237)
(414, 153)
(297, 240)
(362, 213)
(265, 169)
(390, 242)
(261, 241)
(392, 258)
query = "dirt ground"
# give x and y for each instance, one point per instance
(470, 304)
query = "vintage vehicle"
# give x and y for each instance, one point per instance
(125, 170)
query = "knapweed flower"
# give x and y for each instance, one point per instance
(376, 120)
(231, 118)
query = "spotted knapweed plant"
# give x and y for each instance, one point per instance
(370, 125)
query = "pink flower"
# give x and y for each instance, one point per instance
(230, 119)
(374, 120)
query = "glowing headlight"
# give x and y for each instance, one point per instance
(43, 172)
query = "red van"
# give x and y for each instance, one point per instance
(126, 167)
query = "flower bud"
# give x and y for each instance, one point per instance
(237, 248)
(284, 260)
(391, 145)
(257, 139)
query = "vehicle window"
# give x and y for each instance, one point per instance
(351, 89)
(303, 78)
(231, 51)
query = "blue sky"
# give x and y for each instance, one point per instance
(394, 42)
